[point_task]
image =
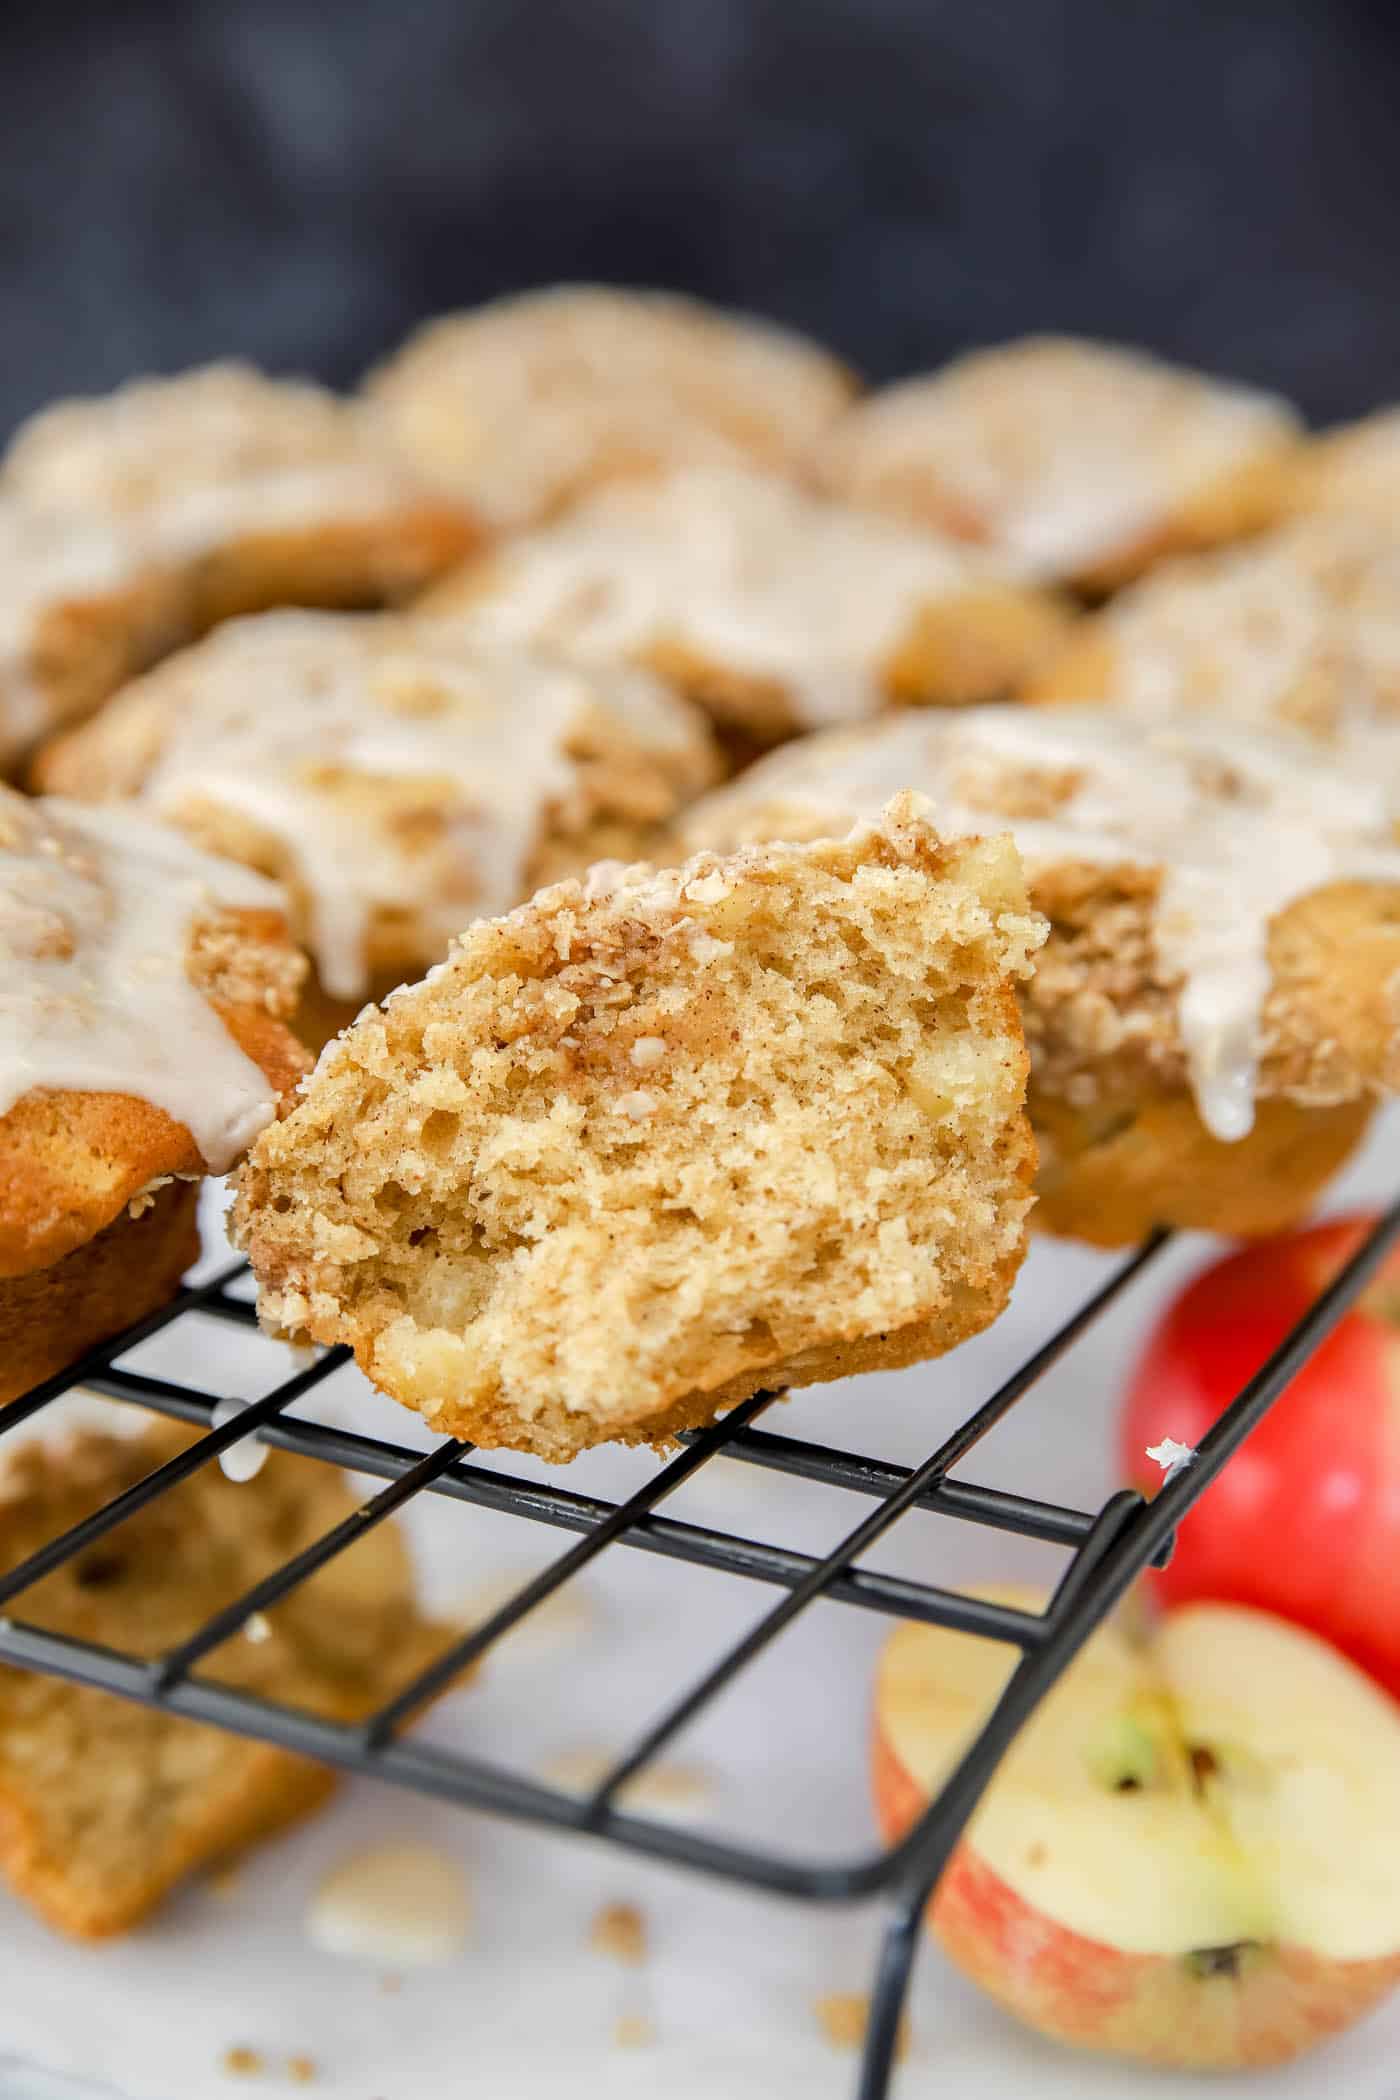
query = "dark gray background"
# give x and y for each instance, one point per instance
(300, 182)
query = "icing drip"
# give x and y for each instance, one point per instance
(96, 911)
(742, 568)
(1061, 453)
(1239, 825)
(289, 719)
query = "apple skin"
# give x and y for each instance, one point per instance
(1096, 1997)
(1264, 2004)
(1304, 1522)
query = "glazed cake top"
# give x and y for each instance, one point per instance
(740, 567)
(1236, 824)
(1058, 453)
(98, 909)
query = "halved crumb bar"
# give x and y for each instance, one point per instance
(656, 1140)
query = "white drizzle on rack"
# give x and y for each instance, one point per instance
(245, 1459)
(1239, 824)
(277, 718)
(1062, 452)
(97, 907)
(743, 568)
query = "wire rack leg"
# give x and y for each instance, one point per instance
(897, 1951)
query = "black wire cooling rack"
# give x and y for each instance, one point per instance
(1108, 1548)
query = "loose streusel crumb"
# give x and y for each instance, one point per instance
(634, 2031)
(844, 2017)
(832, 1174)
(241, 2062)
(302, 2070)
(619, 1929)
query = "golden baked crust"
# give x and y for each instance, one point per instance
(397, 779)
(653, 1141)
(51, 1316)
(106, 1805)
(1072, 460)
(1301, 627)
(520, 407)
(1352, 471)
(73, 1158)
(1119, 877)
(250, 492)
(1112, 1173)
(81, 610)
(773, 609)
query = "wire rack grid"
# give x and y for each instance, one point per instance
(1108, 1548)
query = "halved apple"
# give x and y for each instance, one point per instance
(1190, 1855)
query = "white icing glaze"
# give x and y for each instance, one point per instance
(192, 462)
(274, 718)
(1239, 824)
(96, 912)
(525, 402)
(746, 570)
(46, 561)
(1064, 452)
(245, 1459)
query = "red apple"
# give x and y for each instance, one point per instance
(1305, 1519)
(1191, 1854)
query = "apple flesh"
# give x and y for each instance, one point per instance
(1190, 1855)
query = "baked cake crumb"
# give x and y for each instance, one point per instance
(302, 2070)
(832, 1173)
